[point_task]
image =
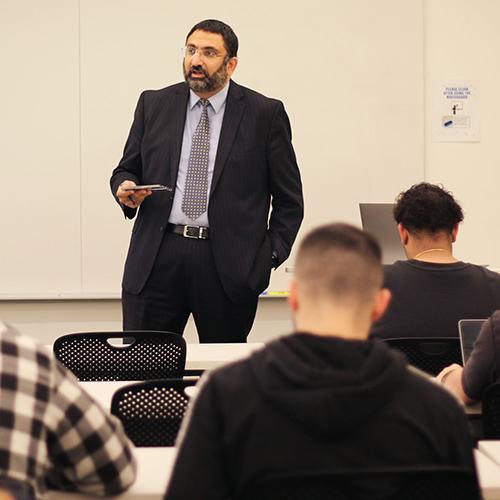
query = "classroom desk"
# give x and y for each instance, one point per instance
(490, 448)
(154, 466)
(199, 356)
(488, 472)
(208, 356)
(474, 409)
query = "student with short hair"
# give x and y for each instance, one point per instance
(433, 290)
(322, 398)
(52, 433)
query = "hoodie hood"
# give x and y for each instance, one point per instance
(328, 384)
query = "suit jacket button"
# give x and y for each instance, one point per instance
(161, 229)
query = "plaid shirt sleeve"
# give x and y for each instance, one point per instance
(51, 430)
(87, 447)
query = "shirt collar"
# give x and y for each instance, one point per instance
(216, 101)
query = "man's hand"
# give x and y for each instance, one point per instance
(451, 378)
(443, 374)
(129, 198)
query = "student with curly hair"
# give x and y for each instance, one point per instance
(433, 290)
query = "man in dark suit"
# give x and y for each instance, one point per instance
(207, 244)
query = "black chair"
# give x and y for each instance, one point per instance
(429, 354)
(491, 412)
(429, 483)
(148, 355)
(152, 412)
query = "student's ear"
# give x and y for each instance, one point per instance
(403, 234)
(382, 301)
(454, 233)
(293, 296)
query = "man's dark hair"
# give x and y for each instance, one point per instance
(220, 28)
(341, 261)
(428, 208)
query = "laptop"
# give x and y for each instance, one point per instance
(377, 219)
(468, 330)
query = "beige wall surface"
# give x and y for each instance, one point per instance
(462, 42)
(46, 320)
(39, 136)
(356, 79)
(348, 83)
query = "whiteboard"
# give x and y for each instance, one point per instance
(350, 74)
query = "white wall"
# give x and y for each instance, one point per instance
(462, 42)
(81, 64)
(46, 320)
(360, 69)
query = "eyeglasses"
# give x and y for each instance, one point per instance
(208, 53)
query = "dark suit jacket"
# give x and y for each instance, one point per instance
(255, 164)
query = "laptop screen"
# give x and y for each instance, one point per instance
(468, 329)
(378, 220)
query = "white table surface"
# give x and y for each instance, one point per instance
(154, 466)
(488, 472)
(207, 356)
(490, 448)
(199, 356)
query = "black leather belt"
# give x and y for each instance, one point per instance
(195, 232)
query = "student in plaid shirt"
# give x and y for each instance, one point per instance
(51, 431)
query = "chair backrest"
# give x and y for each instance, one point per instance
(147, 355)
(152, 412)
(429, 354)
(422, 483)
(491, 412)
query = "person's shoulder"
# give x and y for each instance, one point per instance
(256, 98)
(495, 318)
(396, 267)
(492, 325)
(394, 272)
(165, 92)
(488, 273)
(425, 388)
(230, 376)
(23, 346)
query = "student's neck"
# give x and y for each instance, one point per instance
(332, 324)
(438, 251)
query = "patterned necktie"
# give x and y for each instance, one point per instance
(194, 201)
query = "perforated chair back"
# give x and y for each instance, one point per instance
(150, 355)
(433, 483)
(429, 354)
(491, 412)
(152, 412)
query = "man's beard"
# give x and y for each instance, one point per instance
(210, 82)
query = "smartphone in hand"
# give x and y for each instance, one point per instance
(150, 187)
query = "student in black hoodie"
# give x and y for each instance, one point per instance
(323, 398)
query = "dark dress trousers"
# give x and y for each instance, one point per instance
(255, 170)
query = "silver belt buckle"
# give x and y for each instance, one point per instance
(187, 235)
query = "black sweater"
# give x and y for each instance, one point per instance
(310, 403)
(429, 299)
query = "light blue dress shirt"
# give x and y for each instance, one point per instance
(193, 115)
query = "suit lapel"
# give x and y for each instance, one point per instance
(233, 113)
(177, 122)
